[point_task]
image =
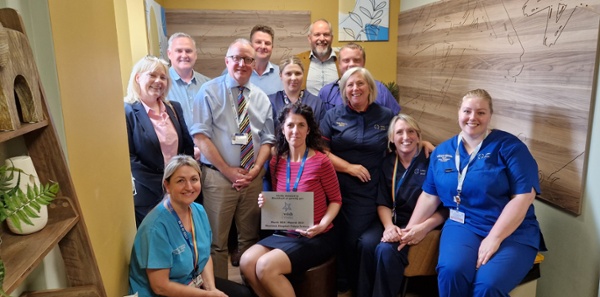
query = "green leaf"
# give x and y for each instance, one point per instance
(30, 212)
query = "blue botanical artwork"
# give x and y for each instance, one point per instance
(364, 20)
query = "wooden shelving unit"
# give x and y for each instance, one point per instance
(66, 227)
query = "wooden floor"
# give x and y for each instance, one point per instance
(417, 286)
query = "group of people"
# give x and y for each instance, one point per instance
(326, 126)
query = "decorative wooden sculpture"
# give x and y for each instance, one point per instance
(18, 78)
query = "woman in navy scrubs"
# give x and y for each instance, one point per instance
(357, 136)
(403, 171)
(488, 180)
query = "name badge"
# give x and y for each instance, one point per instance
(457, 216)
(240, 139)
(197, 282)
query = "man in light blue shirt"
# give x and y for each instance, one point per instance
(182, 53)
(230, 191)
(353, 55)
(265, 74)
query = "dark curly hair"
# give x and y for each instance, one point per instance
(314, 140)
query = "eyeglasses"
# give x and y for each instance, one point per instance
(237, 59)
(155, 59)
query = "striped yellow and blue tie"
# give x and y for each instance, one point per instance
(247, 150)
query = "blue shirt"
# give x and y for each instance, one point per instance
(503, 167)
(278, 102)
(358, 138)
(330, 94)
(269, 81)
(215, 115)
(184, 93)
(159, 244)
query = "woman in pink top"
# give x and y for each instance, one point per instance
(156, 131)
(299, 151)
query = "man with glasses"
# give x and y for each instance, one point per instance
(233, 127)
(321, 61)
(265, 74)
(353, 55)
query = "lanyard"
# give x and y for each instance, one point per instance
(463, 173)
(287, 100)
(396, 187)
(289, 172)
(193, 245)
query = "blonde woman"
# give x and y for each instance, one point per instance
(156, 131)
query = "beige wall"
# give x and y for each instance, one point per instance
(381, 56)
(89, 73)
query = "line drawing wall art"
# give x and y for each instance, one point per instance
(364, 20)
(537, 59)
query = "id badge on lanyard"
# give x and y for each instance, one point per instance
(455, 214)
(197, 282)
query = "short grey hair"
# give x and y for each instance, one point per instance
(180, 35)
(366, 75)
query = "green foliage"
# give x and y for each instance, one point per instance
(394, 89)
(19, 206)
(2, 272)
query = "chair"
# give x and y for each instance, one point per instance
(422, 258)
(318, 281)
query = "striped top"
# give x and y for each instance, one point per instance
(318, 177)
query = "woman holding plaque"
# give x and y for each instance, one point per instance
(299, 165)
(488, 180)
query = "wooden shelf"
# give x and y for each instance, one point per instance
(22, 253)
(66, 227)
(25, 128)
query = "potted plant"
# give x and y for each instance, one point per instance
(18, 206)
(394, 89)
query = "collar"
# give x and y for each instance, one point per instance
(231, 83)
(270, 70)
(161, 106)
(176, 77)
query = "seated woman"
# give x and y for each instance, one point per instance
(299, 155)
(383, 257)
(171, 251)
(488, 180)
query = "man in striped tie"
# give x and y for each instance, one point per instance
(233, 127)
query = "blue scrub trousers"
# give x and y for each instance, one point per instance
(381, 265)
(457, 275)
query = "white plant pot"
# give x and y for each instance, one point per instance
(38, 223)
(30, 178)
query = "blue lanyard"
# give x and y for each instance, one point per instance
(396, 186)
(289, 172)
(192, 246)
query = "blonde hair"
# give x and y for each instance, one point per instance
(147, 63)
(292, 60)
(177, 162)
(410, 121)
(366, 75)
(481, 94)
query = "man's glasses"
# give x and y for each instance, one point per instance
(237, 59)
